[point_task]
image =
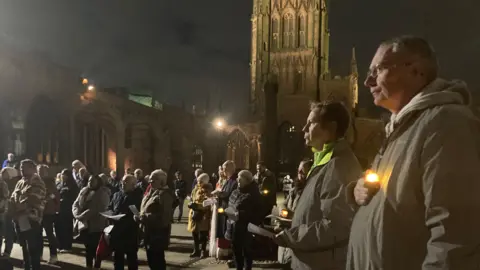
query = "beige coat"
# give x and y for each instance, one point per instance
(427, 212)
(200, 194)
(321, 222)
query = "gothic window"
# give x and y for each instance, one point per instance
(301, 31)
(275, 30)
(197, 162)
(288, 29)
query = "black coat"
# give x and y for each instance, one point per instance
(124, 235)
(245, 201)
(181, 186)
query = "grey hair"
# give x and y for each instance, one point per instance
(229, 163)
(198, 172)
(77, 162)
(159, 175)
(419, 47)
(138, 171)
(246, 174)
(203, 178)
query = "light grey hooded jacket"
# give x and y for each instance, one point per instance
(426, 214)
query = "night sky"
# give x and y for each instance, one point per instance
(184, 49)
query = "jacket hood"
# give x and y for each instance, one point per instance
(438, 92)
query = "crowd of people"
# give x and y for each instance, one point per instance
(419, 211)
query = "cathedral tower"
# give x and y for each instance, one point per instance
(290, 46)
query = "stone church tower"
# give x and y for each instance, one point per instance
(290, 68)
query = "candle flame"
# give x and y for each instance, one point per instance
(371, 177)
(221, 210)
(265, 191)
(284, 213)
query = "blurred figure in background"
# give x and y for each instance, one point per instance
(199, 216)
(155, 213)
(91, 201)
(52, 206)
(180, 187)
(68, 191)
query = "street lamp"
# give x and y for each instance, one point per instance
(219, 123)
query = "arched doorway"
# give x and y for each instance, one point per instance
(238, 149)
(290, 148)
(43, 133)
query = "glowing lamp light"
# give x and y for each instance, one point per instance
(220, 210)
(371, 177)
(91, 88)
(265, 191)
(85, 81)
(284, 213)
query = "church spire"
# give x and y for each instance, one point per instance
(353, 63)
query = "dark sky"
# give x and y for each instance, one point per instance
(186, 48)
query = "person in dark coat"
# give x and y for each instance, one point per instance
(142, 181)
(180, 187)
(51, 208)
(224, 195)
(68, 191)
(267, 186)
(155, 216)
(241, 211)
(124, 235)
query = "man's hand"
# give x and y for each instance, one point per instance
(361, 193)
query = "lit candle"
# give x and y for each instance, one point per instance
(284, 213)
(265, 192)
(372, 182)
(221, 210)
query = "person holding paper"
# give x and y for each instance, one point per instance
(124, 235)
(199, 216)
(27, 205)
(321, 222)
(155, 217)
(243, 209)
(91, 201)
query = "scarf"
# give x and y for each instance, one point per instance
(322, 157)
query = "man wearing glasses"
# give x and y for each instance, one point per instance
(424, 214)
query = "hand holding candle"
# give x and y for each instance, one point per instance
(372, 183)
(366, 187)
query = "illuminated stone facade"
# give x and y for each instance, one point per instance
(46, 114)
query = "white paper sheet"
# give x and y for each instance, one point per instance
(257, 230)
(134, 210)
(209, 202)
(109, 215)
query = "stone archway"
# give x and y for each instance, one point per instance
(43, 132)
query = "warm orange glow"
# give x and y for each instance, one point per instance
(371, 177)
(85, 81)
(265, 191)
(112, 159)
(91, 88)
(284, 213)
(220, 210)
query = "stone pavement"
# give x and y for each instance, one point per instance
(177, 256)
